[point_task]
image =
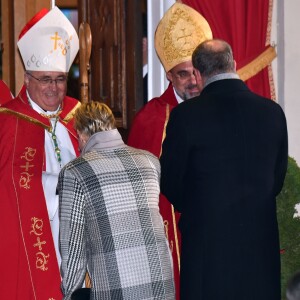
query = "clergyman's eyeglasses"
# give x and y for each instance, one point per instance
(184, 75)
(47, 81)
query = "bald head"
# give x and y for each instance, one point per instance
(213, 57)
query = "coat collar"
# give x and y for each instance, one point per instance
(103, 140)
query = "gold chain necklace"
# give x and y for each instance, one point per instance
(52, 116)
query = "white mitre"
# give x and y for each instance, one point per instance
(50, 42)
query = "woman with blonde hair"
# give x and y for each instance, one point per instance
(110, 221)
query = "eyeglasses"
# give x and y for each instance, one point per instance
(46, 81)
(184, 75)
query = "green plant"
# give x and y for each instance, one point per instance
(289, 226)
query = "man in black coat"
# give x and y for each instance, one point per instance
(223, 163)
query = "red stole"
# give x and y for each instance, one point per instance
(33, 216)
(30, 269)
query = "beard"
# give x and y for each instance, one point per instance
(190, 92)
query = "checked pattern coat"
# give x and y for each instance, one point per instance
(111, 225)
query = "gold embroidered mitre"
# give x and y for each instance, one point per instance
(178, 33)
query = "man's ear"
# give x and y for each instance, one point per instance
(198, 78)
(26, 80)
(169, 76)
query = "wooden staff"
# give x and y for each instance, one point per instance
(85, 48)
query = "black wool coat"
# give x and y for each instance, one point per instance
(223, 162)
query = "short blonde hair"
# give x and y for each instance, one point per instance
(92, 117)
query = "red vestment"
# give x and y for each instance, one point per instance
(5, 93)
(29, 264)
(147, 133)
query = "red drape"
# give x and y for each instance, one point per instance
(245, 25)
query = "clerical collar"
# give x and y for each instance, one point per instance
(178, 98)
(221, 77)
(145, 70)
(42, 112)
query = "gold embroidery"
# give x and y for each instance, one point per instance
(25, 177)
(42, 261)
(269, 25)
(27, 166)
(55, 38)
(70, 115)
(24, 180)
(182, 35)
(176, 236)
(268, 37)
(29, 154)
(52, 116)
(173, 212)
(37, 226)
(171, 244)
(166, 224)
(165, 127)
(259, 63)
(24, 117)
(271, 81)
(178, 33)
(41, 258)
(39, 243)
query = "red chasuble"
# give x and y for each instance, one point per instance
(147, 133)
(5, 93)
(29, 264)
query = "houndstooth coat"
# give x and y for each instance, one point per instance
(111, 225)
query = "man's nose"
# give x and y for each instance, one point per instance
(53, 84)
(193, 78)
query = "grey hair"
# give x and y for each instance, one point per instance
(213, 57)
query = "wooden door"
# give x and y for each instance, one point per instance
(116, 57)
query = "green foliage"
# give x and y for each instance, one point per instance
(289, 227)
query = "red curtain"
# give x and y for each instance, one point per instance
(245, 25)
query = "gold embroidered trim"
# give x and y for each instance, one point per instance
(269, 25)
(173, 212)
(42, 259)
(52, 116)
(176, 237)
(268, 37)
(171, 244)
(25, 178)
(70, 115)
(24, 117)
(256, 65)
(165, 126)
(271, 81)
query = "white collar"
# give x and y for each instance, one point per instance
(178, 98)
(145, 70)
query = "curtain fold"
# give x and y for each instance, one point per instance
(245, 25)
